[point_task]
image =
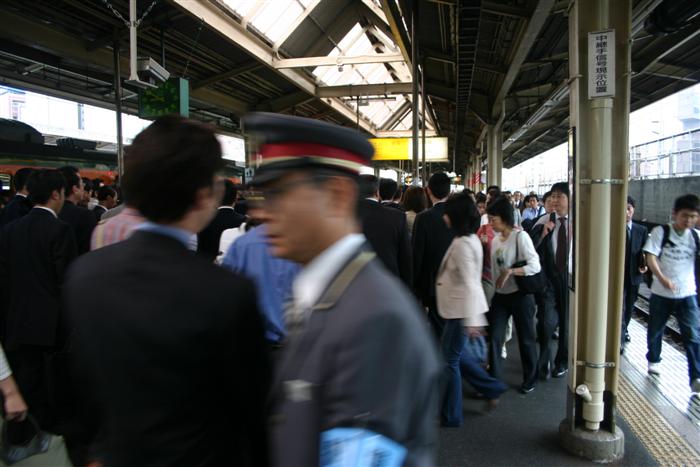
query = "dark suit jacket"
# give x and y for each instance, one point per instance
(431, 239)
(174, 355)
(391, 204)
(18, 207)
(98, 211)
(386, 230)
(545, 249)
(34, 255)
(83, 223)
(634, 256)
(208, 239)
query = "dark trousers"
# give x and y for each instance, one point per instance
(561, 302)
(546, 324)
(30, 369)
(629, 297)
(522, 308)
(436, 321)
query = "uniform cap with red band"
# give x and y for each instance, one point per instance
(294, 143)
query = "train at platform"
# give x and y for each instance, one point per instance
(22, 145)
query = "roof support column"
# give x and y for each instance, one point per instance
(599, 115)
(494, 152)
(415, 109)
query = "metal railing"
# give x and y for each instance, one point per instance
(673, 156)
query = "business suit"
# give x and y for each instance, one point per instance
(555, 298)
(634, 257)
(18, 207)
(34, 255)
(209, 238)
(393, 205)
(174, 357)
(82, 221)
(431, 239)
(362, 359)
(99, 211)
(386, 231)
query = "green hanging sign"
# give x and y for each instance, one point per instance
(171, 97)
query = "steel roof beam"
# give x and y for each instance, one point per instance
(305, 62)
(534, 26)
(662, 47)
(402, 133)
(506, 10)
(398, 30)
(71, 48)
(297, 22)
(397, 116)
(224, 75)
(219, 21)
(283, 103)
(363, 90)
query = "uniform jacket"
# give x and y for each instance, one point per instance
(18, 207)
(34, 255)
(174, 355)
(209, 238)
(98, 211)
(386, 230)
(634, 254)
(460, 294)
(431, 238)
(363, 359)
(82, 221)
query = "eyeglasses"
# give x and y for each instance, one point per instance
(272, 195)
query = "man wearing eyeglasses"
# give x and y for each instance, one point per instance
(358, 364)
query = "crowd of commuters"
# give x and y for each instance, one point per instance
(179, 319)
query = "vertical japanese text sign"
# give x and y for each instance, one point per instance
(601, 64)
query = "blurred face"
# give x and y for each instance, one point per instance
(560, 203)
(497, 224)
(110, 202)
(517, 196)
(549, 205)
(294, 209)
(629, 213)
(532, 202)
(482, 208)
(685, 219)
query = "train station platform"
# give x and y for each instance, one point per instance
(659, 416)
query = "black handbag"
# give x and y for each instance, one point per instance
(13, 451)
(533, 284)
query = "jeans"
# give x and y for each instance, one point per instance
(521, 307)
(686, 311)
(452, 343)
(474, 373)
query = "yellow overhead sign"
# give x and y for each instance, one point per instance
(401, 149)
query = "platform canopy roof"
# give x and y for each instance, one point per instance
(345, 61)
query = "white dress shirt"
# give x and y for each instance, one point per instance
(5, 371)
(47, 209)
(313, 280)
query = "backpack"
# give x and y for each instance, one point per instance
(648, 276)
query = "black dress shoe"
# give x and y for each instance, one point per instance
(560, 371)
(527, 389)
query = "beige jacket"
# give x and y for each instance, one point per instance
(458, 286)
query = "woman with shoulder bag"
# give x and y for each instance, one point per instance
(513, 256)
(462, 304)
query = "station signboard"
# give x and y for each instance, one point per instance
(401, 149)
(601, 64)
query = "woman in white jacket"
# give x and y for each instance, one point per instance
(462, 304)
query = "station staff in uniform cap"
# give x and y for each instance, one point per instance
(359, 363)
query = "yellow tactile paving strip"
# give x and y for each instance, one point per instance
(657, 435)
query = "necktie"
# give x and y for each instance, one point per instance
(562, 246)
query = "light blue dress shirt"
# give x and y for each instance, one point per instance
(273, 277)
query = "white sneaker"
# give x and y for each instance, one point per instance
(654, 369)
(504, 352)
(695, 386)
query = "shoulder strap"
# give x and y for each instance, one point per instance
(517, 247)
(696, 237)
(343, 280)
